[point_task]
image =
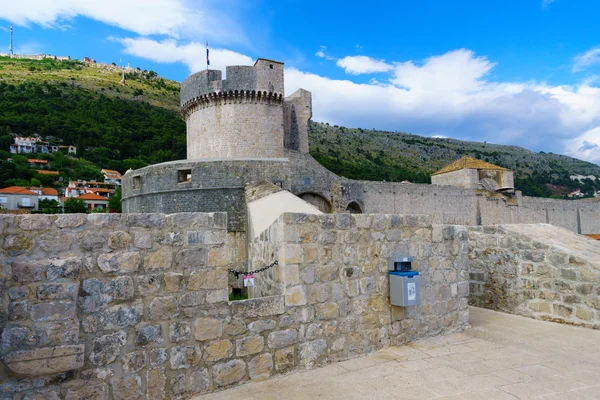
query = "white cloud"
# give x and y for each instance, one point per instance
(192, 54)
(321, 53)
(453, 95)
(356, 65)
(546, 3)
(587, 59)
(173, 18)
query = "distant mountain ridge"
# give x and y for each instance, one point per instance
(86, 104)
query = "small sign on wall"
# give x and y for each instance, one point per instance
(249, 280)
(411, 291)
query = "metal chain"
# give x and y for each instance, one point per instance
(238, 273)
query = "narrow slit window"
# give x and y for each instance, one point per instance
(185, 175)
(137, 182)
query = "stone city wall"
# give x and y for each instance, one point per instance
(135, 305)
(539, 271)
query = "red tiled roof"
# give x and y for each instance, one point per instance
(17, 190)
(593, 236)
(92, 196)
(49, 192)
(33, 160)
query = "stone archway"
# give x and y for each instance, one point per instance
(354, 208)
(317, 200)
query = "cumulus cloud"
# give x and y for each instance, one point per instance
(546, 3)
(322, 53)
(356, 65)
(453, 95)
(173, 18)
(191, 54)
(587, 59)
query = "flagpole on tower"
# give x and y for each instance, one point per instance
(11, 40)
(207, 57)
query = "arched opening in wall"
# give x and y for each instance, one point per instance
(354, 208)
(317, 200)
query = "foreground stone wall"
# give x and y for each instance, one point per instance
(135, 306)
(540, 271)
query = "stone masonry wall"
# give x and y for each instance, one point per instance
(540, 271)
(135, 306)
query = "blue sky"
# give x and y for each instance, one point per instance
(512, 72)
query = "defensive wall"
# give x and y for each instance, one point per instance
(538, 271)
(126, 306)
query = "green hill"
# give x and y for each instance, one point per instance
(120, 126)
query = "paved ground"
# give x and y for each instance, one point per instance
(502, 357)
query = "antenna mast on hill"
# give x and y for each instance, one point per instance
(11, 40)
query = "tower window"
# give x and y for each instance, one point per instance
(137, 182)
(271, 66)
(184, 175)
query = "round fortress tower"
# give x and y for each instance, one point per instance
(239, 117)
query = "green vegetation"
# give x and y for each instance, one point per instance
(120, 127)
(393, 156)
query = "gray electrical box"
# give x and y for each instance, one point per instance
(405, 288)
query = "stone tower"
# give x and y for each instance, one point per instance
(238, 117)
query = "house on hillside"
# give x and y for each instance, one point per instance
(471, 173)
(18, 198)
(45, 193)
(77, 188)
(27, 145)
(112, 176)
(94, 201)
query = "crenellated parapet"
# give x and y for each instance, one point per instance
(231, 97)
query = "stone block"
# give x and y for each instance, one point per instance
(228, 373)
(160, 259)
(540, 307)
(18, 310)
(157, 356)
(259, 307)
(91, 241)
(163, 308)
(295, 296)
(208, 279)
(119, 240)
(17, 244)
(46, 360)
(235, 327)
(262, 325)
(326, 310)
(210, 237)
(249, 345)
(218, 350)
(54, 311)
(57, 291)
(27, 271)
(183, 357)
(569, 273)
(149, 284)
(191, 257)
(207, 329)
(70, 220)
(191, 299)
(585, 313)
(563, 311)
(156, 382)
(106, 349)
(217, 296)
(326, 273)
(199, 381)
(173, 282)
(64, 268)
(122, 315)
(280, 339)
(88, 391)
(18, 292)
(55, 333)
(177, 386)
(134, 361)
(310, 352)
(35, 222)
(55, 242)
(285, 359)
(151, 220)
(180, 331)
(142, 240)
(261, 366)
(127, 388)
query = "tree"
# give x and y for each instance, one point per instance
(114, 203)
(75, 205)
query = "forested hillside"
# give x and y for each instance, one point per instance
(120, 126)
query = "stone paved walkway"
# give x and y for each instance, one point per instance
(501, 357)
